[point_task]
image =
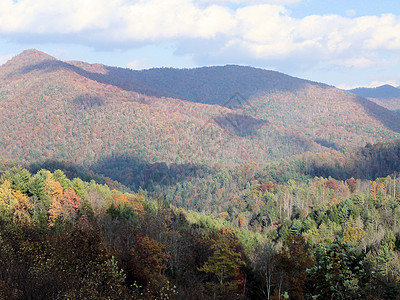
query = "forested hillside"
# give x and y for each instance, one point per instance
(386, 95)
(85, 114)
(330, 116)
(211, 85)
(294, 103)
(297, 104)
(125, 245)
(211, 183)
(51, 111)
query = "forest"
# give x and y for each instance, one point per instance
(210, 183)
(293, 237)
(89, 114)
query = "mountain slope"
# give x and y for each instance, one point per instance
(325, 114)
(386, 95)
(210, 85)
(92, 114)
(329, 115)
(55, 110)
(383, 91)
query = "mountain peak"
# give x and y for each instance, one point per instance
(36, 54)
(30, 57)
(383, 91)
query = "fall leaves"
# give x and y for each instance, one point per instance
(62, 238)
(16, 203)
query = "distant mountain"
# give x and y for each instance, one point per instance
(386, 95)
(91, 114)
(383, 91)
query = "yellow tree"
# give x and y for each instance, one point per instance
(6, 196)
(52, 187)
(55, 191)
(373, 189)
(353, 235)
(54, 211)
(223, 266)
(21, 207)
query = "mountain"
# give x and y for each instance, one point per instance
(123, 120)
(75, 112)
(211, 85)
(386, 95)
(383, 91)
(329, 116)
(389, 103)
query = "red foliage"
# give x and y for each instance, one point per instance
(352, 184)
(331, 184)
(268, 186)
(70, 201)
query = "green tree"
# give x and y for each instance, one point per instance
(223, 266)
(338, 273)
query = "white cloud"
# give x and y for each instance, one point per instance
(359, 62)
(47, 17)
(380, 83)
(139, 64)
(275, 2)
(256, 30)
(385, 33)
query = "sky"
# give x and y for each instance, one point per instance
(345, 43)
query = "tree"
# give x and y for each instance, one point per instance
(71, 202)
(265, 264)
(65, 205)
(352, 185)
(223, 265)
(20, 179)
(6, 197)
(21, 208)
(55, 211)
(373, 189)
(89, 271)
(293, 261)
(338, 273)
(353, 235)
(146, 263)
(60, 177)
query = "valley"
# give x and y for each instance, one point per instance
(225, 182)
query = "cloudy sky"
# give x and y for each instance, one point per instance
(339, 42)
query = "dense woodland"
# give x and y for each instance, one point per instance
(318, 238)
(81, 118)
(111, 187)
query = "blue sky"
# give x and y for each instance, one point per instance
(342, 43)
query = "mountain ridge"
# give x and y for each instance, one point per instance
(248, 81)
(76, 116)
(88, 112)
(386, 96)
(383, 91)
